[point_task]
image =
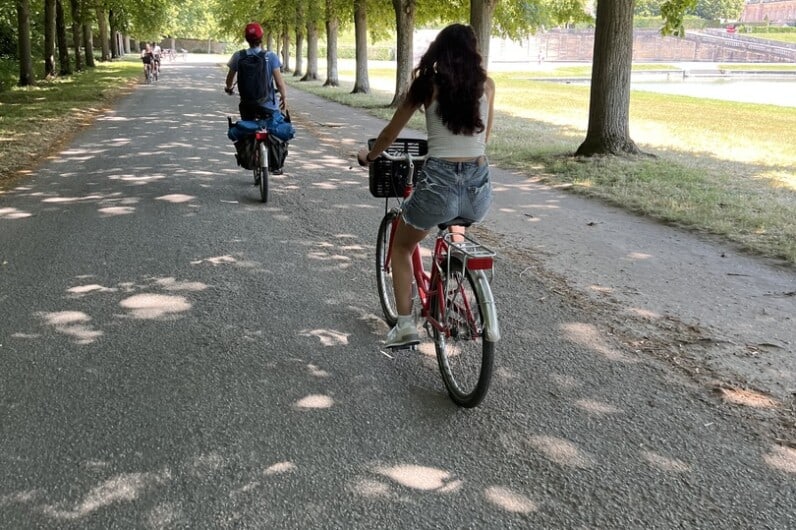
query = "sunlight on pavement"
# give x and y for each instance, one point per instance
(747, 398)
(13, 213)
(72, 323)
(93, 288)
(664, 463)
(422, 478)
(125, 487)
(560, 451)
(154, 306)
(596, 407)
(588, 336)
(782, 458)
(315, 401)
(509, 501)
(280, 468)
(328, 337)
(69, 200)
(133, 179)
(176, 198)
(113, 211)
(317, 372)
(218, 260)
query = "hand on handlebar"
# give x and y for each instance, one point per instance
(362, 157)
(229, 91)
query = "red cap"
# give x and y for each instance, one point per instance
(253, 31)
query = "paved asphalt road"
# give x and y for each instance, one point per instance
(175, 354)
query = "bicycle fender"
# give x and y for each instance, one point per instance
(488, 307)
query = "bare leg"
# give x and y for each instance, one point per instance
(456, 230)
(404, 243)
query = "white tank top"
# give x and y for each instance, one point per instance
(442, 143)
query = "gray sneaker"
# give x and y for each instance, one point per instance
(402, 337)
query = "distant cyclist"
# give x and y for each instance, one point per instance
(156, 53)
(146, 58)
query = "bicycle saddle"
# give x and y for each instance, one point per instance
(459, 221)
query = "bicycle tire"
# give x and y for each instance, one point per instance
(384, 270)
(464, 356)
(262, 162)
(256, 166)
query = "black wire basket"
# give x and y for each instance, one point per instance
(388, 178)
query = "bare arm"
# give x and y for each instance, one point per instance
(230, 79)
(489, 91)
(281, 87)
(388, 135)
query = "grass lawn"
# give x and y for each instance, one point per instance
(33, 119)
(719, 167)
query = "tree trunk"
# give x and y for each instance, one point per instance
(75, 6)
(49, 38)
(113, 37)
(609, 104)
(88, 44)
(285, 49)
(405, 24)
(299, 58)
(361, 80)
(104, 34)
(65, 67)
(332, 25)
(481, 20)
(312, 52)
(25, 60)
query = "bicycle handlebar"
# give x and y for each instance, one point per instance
(401, 157)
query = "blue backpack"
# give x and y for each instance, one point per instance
(255, 79)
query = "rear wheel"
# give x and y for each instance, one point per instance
(262, 165)
(464, 356)
(384, 269)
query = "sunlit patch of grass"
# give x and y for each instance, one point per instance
(35, 118)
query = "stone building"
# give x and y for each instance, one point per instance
(771, 11)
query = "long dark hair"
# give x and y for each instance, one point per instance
(453, 64)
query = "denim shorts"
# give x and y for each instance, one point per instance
(449, 190)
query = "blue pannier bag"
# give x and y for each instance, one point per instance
(242, 128)
(242, 133)
(280, 127)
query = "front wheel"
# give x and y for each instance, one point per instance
(262, 166)
(464, 355)
(384, 268)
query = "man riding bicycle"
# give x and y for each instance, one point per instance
(265, 107)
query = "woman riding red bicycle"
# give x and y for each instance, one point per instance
(452, 86)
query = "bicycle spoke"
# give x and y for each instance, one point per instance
(465, 358)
